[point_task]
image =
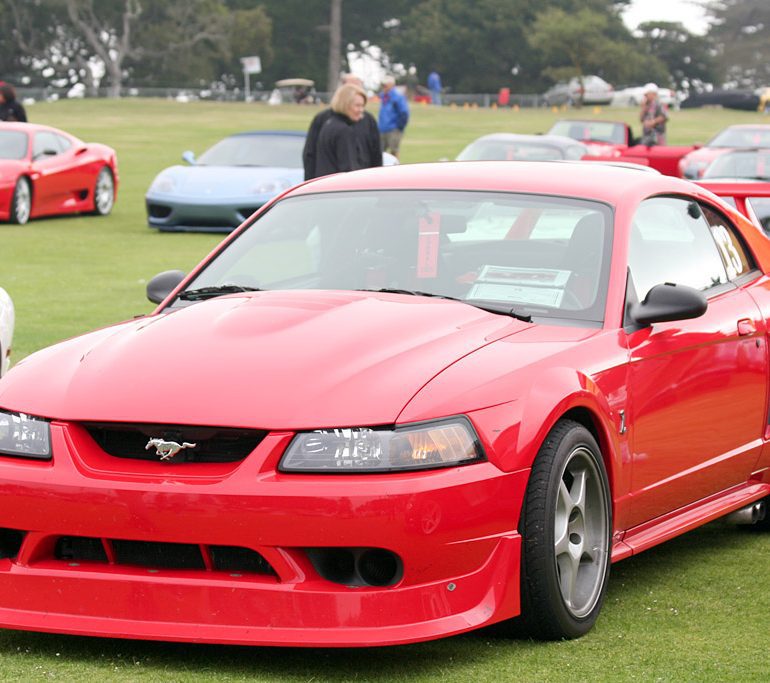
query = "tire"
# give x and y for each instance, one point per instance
(566, 529)
(21, 204)
(104, 192)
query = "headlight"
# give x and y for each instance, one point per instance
(163, 183)
(361, 449)
(24, 436)
(272, 186)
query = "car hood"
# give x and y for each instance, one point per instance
(274, 360)
(200, 182)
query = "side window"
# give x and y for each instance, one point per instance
(45, 143)
(737, 260)
(64, 144)
(671, 241)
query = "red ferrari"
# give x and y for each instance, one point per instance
(45, 171)
(395, 405)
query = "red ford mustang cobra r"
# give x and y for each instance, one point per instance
(45, 171)
(397, 404)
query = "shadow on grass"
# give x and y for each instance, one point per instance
(649, 570)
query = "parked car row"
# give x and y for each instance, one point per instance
(594, 90)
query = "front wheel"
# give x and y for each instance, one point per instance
(566, 528)
(21, 204)
(104, 192)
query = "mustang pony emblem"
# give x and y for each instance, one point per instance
(167, 449)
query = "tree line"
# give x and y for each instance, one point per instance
(477, 46)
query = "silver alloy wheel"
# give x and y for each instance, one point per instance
(580, 533)
(22, 201)
(104, 193)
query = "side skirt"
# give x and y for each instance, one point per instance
(685, 519)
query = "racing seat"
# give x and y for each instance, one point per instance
(583, 258)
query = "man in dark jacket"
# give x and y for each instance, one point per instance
(366, 132)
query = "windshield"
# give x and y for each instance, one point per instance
(543, 256)
(742, 137)
(502, 150)
(595, 131)
(13, 144)
(282, 151)
(753, 165)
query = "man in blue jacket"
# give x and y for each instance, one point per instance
(394, 115)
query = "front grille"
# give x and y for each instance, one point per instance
(10, 543)
(158, 555)
(155, 555)
(158, 210)
(212, 444)
(246, 211)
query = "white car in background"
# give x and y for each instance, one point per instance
(6, 330)
(633, 96)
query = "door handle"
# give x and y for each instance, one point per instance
(746, 327)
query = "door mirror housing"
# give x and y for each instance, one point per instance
(189, 157)
(668, 302)
(163, 284)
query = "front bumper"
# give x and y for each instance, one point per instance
(454, 530)
(170, 213)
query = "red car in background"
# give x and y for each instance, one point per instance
(614, 141)
(394, 405)
(45, 171)
(744, 136)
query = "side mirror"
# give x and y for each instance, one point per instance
(668, 302)
(163, 284)
(189, 157)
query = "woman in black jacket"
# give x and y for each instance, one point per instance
(336, 149)
(10, 108)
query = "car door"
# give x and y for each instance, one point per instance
(52, 174)
(698, 387)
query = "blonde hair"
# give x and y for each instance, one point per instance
(344, 97)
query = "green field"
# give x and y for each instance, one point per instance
(695, 609)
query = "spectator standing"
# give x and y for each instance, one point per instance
(434, 85)
(337, 149)
(394, 115)
(366, 132)
(653, 117)
(10, 108)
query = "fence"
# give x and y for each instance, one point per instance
(189, 94)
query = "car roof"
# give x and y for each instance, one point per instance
(617, 123)
(763, 126)
(610, 184)
(559, 140)
(31, 128)
(291, 133)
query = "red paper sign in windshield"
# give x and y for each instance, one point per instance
(427, 247)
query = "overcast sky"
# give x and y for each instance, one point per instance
(688, 12)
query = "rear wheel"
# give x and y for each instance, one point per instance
(566, 528)
(104, 192)
(21, 204)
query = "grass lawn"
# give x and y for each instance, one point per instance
(694, 609)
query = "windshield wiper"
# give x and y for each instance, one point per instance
(411, 292)
(501, 309)
(211, 292)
